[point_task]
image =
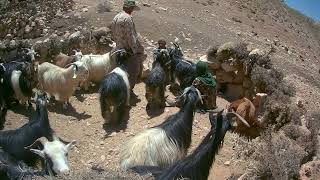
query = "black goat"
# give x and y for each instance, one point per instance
(157, 80)
(19, 143)
(166, 143)
(115, 91)
(12, 169)
(183, 70)
(18, 81)
(198, 164)
(15, 141)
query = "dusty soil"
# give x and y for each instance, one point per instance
(198, 24)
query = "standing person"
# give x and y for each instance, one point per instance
(125, 36)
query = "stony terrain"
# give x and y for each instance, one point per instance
(198, 24)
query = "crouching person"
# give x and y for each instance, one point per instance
(206, 84)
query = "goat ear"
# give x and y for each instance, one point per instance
(38, 152)
(71, 145)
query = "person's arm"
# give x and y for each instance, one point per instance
(132, 37)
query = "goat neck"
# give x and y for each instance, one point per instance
(198, 164)
(179, 126)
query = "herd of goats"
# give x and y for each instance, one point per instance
(160, 150)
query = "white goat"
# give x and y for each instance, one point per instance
(98, 66)
(61, 82)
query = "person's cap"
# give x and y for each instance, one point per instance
(131, 3)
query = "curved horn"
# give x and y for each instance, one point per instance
(42, 140)
(117, 51)
(217, 110)
(66, 66)
(4, 68)
(241, 118)
(199, 94)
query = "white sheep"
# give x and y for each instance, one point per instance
(61, 82)
(98, 66)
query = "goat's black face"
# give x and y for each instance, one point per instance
(175, 51)
(121, 57)
(164, 58)
(219, 121)
(190, 94)
(41, 98)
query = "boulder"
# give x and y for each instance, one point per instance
(103, 31)
(234, 92)
(224, 77)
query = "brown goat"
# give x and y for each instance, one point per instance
(249, 111)
(62, 60)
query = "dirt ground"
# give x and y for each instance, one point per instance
(198, 24)
(99, 145)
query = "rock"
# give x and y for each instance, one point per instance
(310, 170)
(113, 134)
(228, 67)
(188, 39)
(299, 103)
(236, 19)
(239, 77)
(257, 52)
(59, 13)
(75, 36)
(247, 83)
(162, 8)
(103, 31)
(103, 158)
(33, 24)
(146, 4)
(85, 9)
(104, 6)
(12, 44)
(234, 92)
(227, 163)
(225, 77)
(27, 29)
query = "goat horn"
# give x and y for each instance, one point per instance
(4, 68)
(200, 96)
(119, 50)
(42, 140)
(217, 110)
(66, 66)
(241, 118)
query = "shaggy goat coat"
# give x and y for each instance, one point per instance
(198, 164)
(155, 86)
(163, 144)
(98, 66)
(59, 82)
(114, 91)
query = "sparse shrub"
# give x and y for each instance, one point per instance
(275, 156)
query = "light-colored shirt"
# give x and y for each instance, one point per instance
(124, 33)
